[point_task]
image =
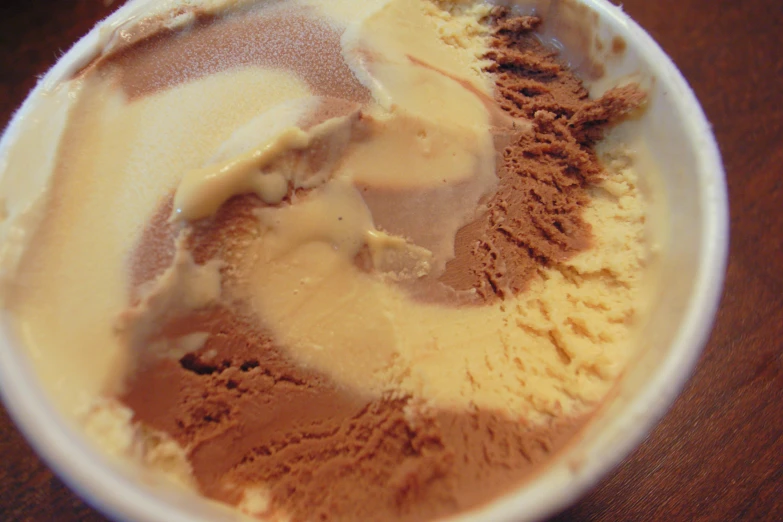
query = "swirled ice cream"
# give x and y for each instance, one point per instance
(335, 259)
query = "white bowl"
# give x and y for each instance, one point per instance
(692, 269)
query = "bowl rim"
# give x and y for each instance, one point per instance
(85, 470)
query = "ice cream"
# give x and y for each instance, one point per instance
(336, 260)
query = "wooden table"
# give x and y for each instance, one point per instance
(718, 455)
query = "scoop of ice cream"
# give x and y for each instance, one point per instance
(356, 273)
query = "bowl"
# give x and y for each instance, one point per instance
(608, 47)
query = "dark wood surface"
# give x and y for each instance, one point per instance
(718, 454)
